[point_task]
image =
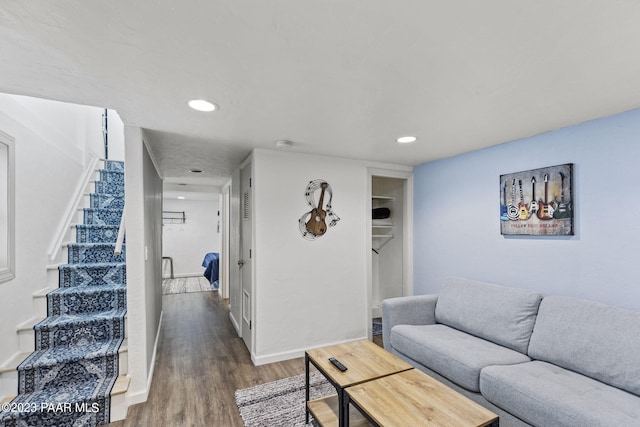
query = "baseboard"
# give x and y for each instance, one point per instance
(143, 395)
(294, 354)
(235, 324)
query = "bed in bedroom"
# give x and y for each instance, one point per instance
(211, 265)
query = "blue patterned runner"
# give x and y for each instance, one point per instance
(68, 379)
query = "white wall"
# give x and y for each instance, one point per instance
(143, 200)
(457, 227)
(308, 293)
(188, 243)
(49, 162)
(77, 127)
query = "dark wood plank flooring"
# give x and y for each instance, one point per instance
(200, 363)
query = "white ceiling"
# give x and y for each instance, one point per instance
(342, 78)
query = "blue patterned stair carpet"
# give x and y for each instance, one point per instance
(67, 381)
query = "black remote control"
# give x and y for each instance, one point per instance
(337, 364)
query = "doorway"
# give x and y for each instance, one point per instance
(390, 227)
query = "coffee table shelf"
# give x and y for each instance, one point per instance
(325, 411)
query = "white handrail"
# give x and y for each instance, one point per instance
(120, 239)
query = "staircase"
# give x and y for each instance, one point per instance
(69, 379)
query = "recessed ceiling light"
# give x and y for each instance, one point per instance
(181, 197)
(406, 139)
(202, 105)
(284, 143)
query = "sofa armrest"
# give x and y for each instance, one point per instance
(411, 310)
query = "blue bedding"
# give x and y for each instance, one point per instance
(210, 263)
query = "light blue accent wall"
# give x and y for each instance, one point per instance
(457, 227)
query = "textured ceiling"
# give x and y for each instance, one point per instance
(338, 78)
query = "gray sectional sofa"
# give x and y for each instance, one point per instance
(536, 361)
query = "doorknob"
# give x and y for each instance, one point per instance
(240, 262)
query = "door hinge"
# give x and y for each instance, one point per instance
(250, 324)
(249, 253)
(250, 181)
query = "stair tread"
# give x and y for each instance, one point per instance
(12, 364)
(89, 288)
(55, 266)
(92, 244)
(93, 265)
(121, 385)
(44, 291)
(29, 324)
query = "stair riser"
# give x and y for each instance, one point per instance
(102, 217)
(119, 407)
(9, 379)
(113, 165)
(100, 253)
(88, 302)
(97, 234)
(106, 188)
(48, 336)
(27, 339)
(40, 306)
(92, 276)
(114, 200)
(112, 177)
(8, 384)
(38, 378)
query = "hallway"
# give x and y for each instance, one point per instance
(200, 363)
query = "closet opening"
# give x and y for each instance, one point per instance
(390, 242)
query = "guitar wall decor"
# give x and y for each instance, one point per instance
(313, 224)
(503, 205)
(512, 210)
(523, 209)
(563, 210)
(550, 214)
(533, 206)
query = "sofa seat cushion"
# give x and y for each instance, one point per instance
(453, 354)
(499, 314)
(543, 394)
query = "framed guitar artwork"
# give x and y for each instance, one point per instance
(541, 202)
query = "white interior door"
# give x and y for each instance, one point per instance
(246, 262)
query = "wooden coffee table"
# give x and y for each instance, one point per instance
(365, 361)
(412, 398)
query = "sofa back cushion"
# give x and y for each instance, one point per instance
(593, 339)
(499, 314)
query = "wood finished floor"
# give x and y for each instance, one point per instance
(200, 364)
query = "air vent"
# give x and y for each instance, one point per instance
(245, 206)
